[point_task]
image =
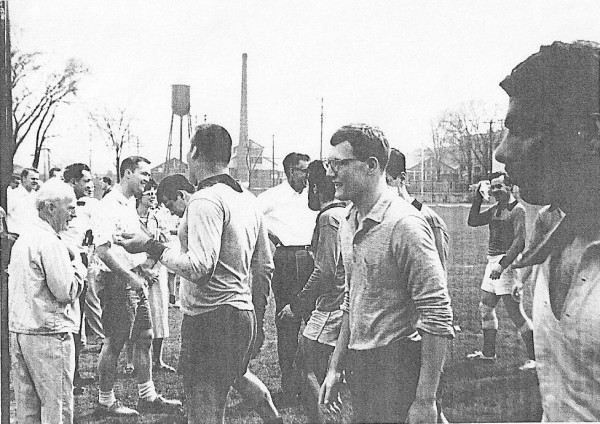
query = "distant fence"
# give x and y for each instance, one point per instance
(441, 192)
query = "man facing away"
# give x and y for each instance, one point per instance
(397, 316)
(222, 237)
(552, 151)
(45, 282)
(125, 312)
(290, 223)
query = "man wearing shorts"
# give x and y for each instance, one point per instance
(125, 312)
(506, 220)
(222, 237)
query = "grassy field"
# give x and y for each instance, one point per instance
(496, 392)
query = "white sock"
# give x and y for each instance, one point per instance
(106, 398)
(147, 391)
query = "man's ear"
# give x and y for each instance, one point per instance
(403, 176)
(372, 165)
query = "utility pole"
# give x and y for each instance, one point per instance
(6, 169)
(321, 153)
(273, 162)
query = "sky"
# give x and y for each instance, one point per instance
(394, 64)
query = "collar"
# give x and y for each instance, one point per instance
(417, 204)
(220, 179)
(117, 194)
(553, 241)
(378, 210)
(337, 204)
(45, 226)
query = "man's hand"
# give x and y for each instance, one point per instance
(133, 243)
(496, 271)
(517, 291)
(134, 281)
(422, 411)
(285, 314)
(329, 393)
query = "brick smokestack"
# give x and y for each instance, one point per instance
(242, 166)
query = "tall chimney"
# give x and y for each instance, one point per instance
(242, 165)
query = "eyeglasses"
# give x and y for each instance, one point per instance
(335, 164)
(300, 170)
(149, 193)
(496, 186)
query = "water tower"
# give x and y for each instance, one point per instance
(180, 106)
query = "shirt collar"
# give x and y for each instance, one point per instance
(220, 179)
(45, 226)
(378, 210)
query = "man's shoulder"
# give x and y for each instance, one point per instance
(334, 215)
(432, 217)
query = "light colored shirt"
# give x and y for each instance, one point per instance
(21, 209)
(440, 231)
(44, 283)
(567, 346)
(222, 237)
(325, 288)
(116, 215)
(395, 283)
(75, 233)
(287, 214)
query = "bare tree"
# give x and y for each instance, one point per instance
(115, 127)
(472, 131)
(38, 97)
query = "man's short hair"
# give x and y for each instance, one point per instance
(171, 185)
(53, 171)
(557, 85)
(52, 191)
(131, 163)
(15, 177)
(150, 184)
(25, 172)
(396, 164)
(212, 143)
(75, 171)
(366, 142)
(507, 181)
(317, 175)
(107, 180)
(293, 159)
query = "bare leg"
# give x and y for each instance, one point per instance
(205, 403)
(315, 360)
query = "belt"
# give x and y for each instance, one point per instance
(292, 248)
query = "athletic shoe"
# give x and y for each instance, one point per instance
(117, 409)
(529, 365)
(163, 367)
(479, 356)
(160, 405)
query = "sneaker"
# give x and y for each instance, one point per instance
(479, 356)
(163, 367)
(529, 365)
(160, 405)
(117, 409)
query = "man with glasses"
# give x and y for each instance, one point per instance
(506, 220)
(290, 224)
(397, 316)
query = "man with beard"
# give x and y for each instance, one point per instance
(552, 152)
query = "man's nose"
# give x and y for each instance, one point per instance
(504, 152)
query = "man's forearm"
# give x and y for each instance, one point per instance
(433, 355)
(338, 357)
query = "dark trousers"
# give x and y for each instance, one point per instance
(293, 266)
(383, 381)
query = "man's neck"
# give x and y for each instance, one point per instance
(204, 174)
(124, 189)
(297, 191)
(369, 197)
(403, 193)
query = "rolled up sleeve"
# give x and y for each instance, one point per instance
(417, 255)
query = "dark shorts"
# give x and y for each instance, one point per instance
(216, 346)
(125, 313)
(383, 381)
(293, 267)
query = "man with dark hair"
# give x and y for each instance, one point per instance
(78, 235)
(56, 173)
(174, 192)
(21, 201)
(125, 312)
(222, 237)
(324, 291)
(552, 152)
(397, 316)
(506, 221)
(290, 223)
(106, 185)
(396, 177)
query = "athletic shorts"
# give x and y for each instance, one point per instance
(324, 327)
(216, 346)
(502, 285)
(125, 312)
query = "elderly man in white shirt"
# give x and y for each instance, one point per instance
(290, 223)
(21, 209)
(45, 280)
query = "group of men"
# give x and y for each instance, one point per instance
(374, 290)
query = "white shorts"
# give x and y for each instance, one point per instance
(324, 327)
(502, 285)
